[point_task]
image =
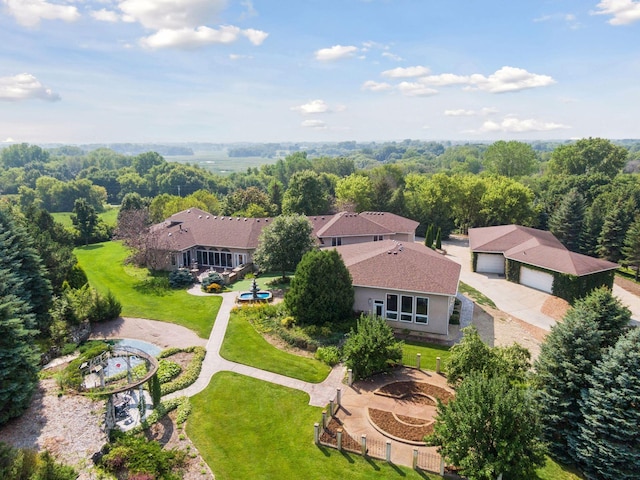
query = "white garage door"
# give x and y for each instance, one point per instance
(490, 263)
(536, 279)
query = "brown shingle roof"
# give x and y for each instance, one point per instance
(352, 224)
(534, 247)
(396, 266)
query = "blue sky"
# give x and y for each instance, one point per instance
(82, 71)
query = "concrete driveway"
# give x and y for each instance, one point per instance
(517, 300)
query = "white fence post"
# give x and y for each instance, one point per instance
(339, 439)
(415, 458)
(418, 357)
(316, 433)
(437, 364)
(388, 456)
(324, 419)
(363, 444)
(350, 377)
(339, 397)
(331, 408)
(441, 467)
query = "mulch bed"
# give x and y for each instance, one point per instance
(415, 391)
(330, 436)
(387, 422)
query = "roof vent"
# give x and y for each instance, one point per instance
(215, 218)
(266, 219)
(188, 211)
(389, 252)
(395, 253)
(258, 220)
(169, 233)
(208, 216)
(245, 219)
(199, 216)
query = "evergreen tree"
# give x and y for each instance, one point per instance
(566, 360)
(28, 280)
(428, 238)
(439, 239)
(611, 316)
(614, 229)
(18, 358)
(591, 229)
(609, 439)
(321, 290)
(566, 222)
(631, 248)
(491, 427)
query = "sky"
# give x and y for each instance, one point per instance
(101, 71)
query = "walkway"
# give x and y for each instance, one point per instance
(320, 393)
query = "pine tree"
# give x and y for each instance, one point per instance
(591, 229)
(566, 222)
(18, 358)
(631, 248)
(428, 238)
(613, 233)
(566, 360)
(611, 316)
(608, 445)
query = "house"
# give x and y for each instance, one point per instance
(408, 284)
(537, 259)
(194, 236)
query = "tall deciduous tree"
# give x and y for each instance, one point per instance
(283, 243)
(608, 445)
(354, 193)
(307, 194)
(566, 221)
(491, 427)
(371, 348)
(631, 248)
(510, 159)
(85, 219)
(588, 155)
(321, 290)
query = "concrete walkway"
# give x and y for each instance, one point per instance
(320, 393)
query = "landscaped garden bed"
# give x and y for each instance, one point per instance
(415, 391)
(400, 427)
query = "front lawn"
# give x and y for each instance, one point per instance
(244, 345)
(142, 294)
(246, 428)
(428, 353)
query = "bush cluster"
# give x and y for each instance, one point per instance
(213, 288)
(105, 308)
(168, 370)
(190, 374)
(19, 463)
(180, 278)
(330, 355)
(208, 282)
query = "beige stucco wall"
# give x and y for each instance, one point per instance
(439, 309)
(403, 237)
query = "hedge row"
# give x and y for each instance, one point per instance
(190, 374)
(182, 404)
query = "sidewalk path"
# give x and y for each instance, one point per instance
(320, 393)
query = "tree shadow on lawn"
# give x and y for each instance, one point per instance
(157, 285)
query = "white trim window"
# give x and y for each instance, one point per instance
(422, 310)
(378, 238)
(336, 241)
(406, 308)
(392, 306)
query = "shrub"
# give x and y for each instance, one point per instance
(190, 374)
(329, 355)
(288, 322)
(168, 370)
(180, 278)
(213, 277)
(213, 288)
(76, 278)
(105, 308)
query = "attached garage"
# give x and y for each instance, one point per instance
(536, 279)
(490, 263)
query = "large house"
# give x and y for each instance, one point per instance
(537, 259)
(194, 236)
(408, 284)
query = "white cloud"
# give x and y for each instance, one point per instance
(509, 79)
(411, 89)
(376, 86)
(445, 80)
(314, 106)
(392, 56)
(460, 113)
(29, 13)
(317, 124)
(569, 18)
(170, 14)
(235, 56)
(624, 12)
(105, 15)
(407, 72)
(256, 37)
(8, 140)
(24, 87)
(250, 10)
(198, 37)
(470, 113)
(515, 125)
(336, 52)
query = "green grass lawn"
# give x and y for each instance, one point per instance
(245, 285)
(244, 345)
(142, 294)
(476, 296)
(428, 354)
(245, 428)
(109, 217)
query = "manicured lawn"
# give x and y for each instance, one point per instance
(109, 217)
(143, 295)
(244, 345)
(476, 296)
(245, 285)
(246, 428)
(428, 354)
(555, 471)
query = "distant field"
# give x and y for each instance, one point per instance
(219, 162)
(108, 216)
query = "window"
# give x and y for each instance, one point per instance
(422, 310)
(406, 309)
(378, 238)
(336, 241)
(392, 306)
